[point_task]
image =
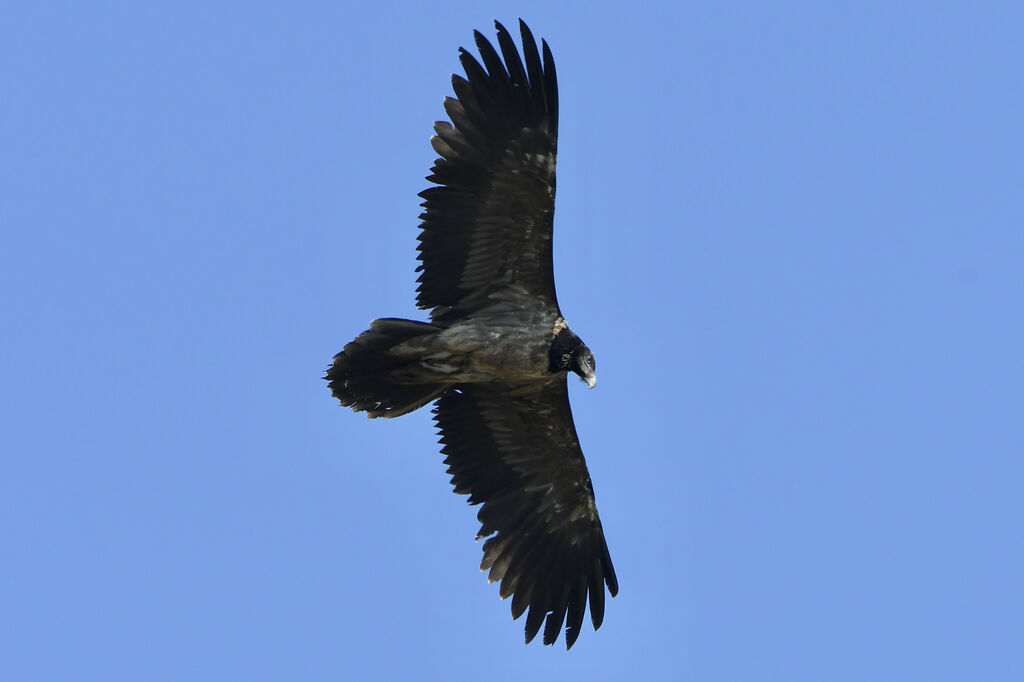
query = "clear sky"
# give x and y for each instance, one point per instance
(792, 233)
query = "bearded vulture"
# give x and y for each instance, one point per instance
(496, 353)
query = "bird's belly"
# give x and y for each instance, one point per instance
(506, 352)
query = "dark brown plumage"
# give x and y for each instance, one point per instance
(496, 351)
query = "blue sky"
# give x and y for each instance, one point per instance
(792, 233)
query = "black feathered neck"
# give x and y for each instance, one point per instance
(563, 349)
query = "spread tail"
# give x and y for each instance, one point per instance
(381, 373)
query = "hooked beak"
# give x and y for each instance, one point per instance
(591, 380)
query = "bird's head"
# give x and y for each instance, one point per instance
(569, 354)
(584, 364)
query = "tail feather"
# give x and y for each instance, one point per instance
(371, 375)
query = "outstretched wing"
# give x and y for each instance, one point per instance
(514, 450)
(488, 223)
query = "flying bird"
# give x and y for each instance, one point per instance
(496, 353)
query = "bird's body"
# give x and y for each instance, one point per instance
(507, 340)
(496, 351)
